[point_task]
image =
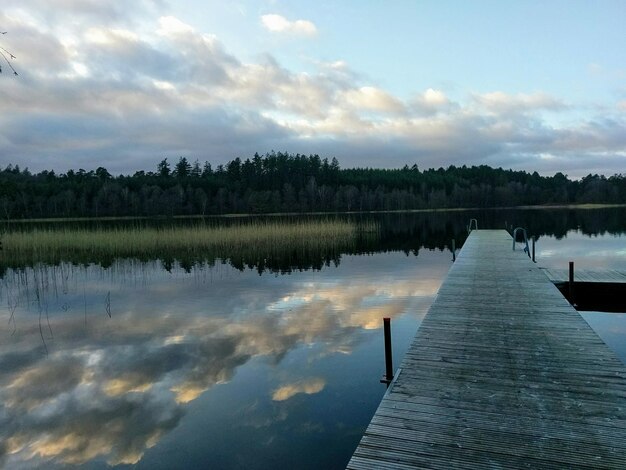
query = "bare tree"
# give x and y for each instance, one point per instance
(7, 56)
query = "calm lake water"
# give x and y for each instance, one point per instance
(207, 364)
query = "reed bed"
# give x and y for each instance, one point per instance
(60, 244)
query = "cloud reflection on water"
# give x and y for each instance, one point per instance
(111, 388)
(307, 386)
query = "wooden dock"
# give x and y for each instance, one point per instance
(503, 373)
(613, 276)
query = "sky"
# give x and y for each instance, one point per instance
(534, 85)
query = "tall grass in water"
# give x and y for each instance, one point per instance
(261, 237)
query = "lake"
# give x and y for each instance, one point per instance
(268, 361)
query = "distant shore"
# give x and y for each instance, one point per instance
(304, 214)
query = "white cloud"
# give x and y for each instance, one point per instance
(430, 102)
(434, 97)
(109, 36)
(279, 24)
(370, 98)
(499, 102)
(90, 91)
(172, 26)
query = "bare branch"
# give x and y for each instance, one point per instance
(12, 56)
(4, 53)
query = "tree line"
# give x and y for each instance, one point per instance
(283, 182)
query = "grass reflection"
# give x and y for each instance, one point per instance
(239, 243)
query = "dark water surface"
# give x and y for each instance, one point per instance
(256, 363)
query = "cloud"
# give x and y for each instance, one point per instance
(131, 86)
(430, 102)
(279, 24)
(307, 386)
(49, 13)
(369, 98)
(502, 103)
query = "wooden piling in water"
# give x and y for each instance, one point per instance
(571, 282)
(388, 352)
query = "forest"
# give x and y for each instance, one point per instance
(286, 183)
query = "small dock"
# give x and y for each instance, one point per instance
(502, 373)
(593, 290)
(559, 276)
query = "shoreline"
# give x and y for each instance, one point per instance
(301, 214)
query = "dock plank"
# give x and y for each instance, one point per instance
(502, 373)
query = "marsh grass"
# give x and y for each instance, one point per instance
(243, 240)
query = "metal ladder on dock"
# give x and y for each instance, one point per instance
(524, 241)
(473, 225)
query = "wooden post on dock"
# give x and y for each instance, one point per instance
(453, 250)
(534, 249)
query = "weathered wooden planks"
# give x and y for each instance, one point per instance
(586, 275)
(502, 373)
